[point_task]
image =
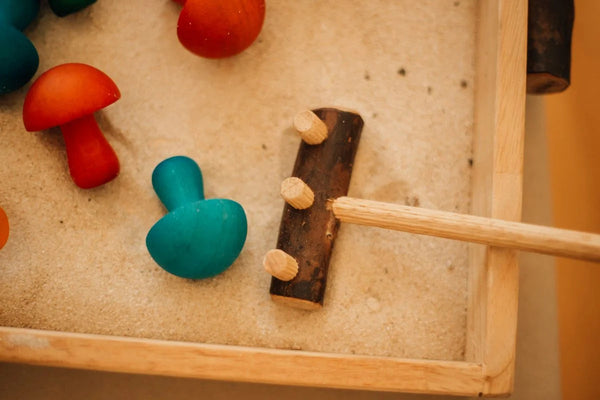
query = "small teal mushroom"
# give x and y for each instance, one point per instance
(18, 57)
(198, 238)
(63, 8)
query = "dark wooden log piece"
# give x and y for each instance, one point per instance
(308, 235)
(550, 25)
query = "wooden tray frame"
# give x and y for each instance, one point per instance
(493, 273)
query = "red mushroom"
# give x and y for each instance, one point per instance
(217, 28)
(67, 96)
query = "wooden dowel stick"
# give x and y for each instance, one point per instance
(470, 228)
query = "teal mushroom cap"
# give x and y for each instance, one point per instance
(18, 57)
(198, 238)
(62, 8)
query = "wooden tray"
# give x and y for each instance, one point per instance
(493, 273)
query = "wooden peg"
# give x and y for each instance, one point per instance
(297, 193)
(281, 265)
(311, 128)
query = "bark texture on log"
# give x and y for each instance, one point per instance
(308, 235)
(550, 26)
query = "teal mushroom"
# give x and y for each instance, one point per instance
(63, 8)
(198, 238)
(18, 57)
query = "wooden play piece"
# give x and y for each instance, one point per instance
(550, 25)
(471, 228)
(3, 228)
(218, 29)
(310, 127)
(62, 8)
(67, 95)
(19, 59)
(280, 264)
(297, 193)
(308, 235)
(198, 238)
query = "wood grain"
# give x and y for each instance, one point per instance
(156, 357)
(489, 231)
(497, 187)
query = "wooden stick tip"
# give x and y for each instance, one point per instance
(280, 264)
(297, 193)
(310, 127)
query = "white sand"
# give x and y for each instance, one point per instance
(76, 260)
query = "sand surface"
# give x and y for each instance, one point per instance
(76, 259)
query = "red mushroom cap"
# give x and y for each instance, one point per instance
(65, 93)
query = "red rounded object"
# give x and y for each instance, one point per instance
(3, 228)
(67, 96)
(219, 28)
(67, 92)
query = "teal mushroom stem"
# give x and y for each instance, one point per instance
(197, 238)
(178, 181)
(18, 57)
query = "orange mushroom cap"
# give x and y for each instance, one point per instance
(65, 93)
